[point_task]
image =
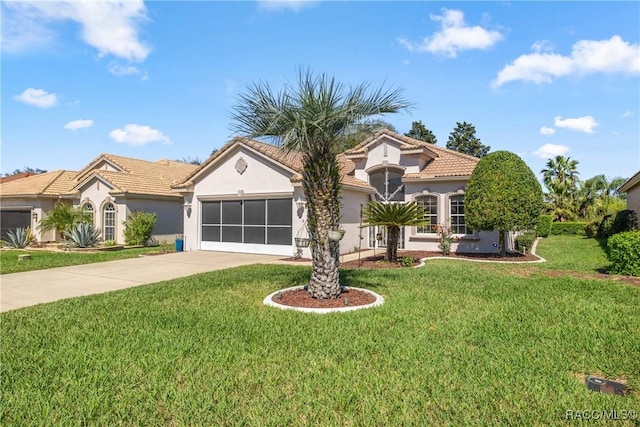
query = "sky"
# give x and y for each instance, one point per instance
(158, 80)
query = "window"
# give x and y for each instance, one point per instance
(263, 221)
(109, 222)
(456, 204)
(88, 208)
(430, 205)
(388, 184)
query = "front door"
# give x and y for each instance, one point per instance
(378, 237)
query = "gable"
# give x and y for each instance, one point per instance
(242, 168)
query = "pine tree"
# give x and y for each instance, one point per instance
(420, 132)
(463, 139)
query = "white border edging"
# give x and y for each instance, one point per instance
(268, 301)
(533, 252)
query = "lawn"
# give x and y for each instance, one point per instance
(453, 345)
(46, 259)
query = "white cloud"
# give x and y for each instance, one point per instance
(78, 124)
(587, 57)
(454, 36)
(138, 135)
(126, 70)
(548, 151)
(109, 26)
(547, 131)
(294, 5)
(37, 97)
(582, 124)
(627, 114)
(542, 46)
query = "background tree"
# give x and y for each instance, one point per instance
(311, 118)
(63, 217)
(31, 171)
(394, 216)
(420, 132)
(560, 177)
(463, 139)
(502, 194)
(191, 161)
(358, 132)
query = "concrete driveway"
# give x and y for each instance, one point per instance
(35, 287)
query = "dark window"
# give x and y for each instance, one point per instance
(232, 233)
(279, 235)
(388, 184)
(254, 235)
(279, 212)
(211, 212)
(232, 212)
(254, 212)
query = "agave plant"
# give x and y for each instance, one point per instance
(19, 239)
(83, 235)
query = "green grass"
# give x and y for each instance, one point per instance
(44, 259)
(453, 345)
(576, 253)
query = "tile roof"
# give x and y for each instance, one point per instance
(290, 159)
(444, 162)
(140, 177)
(137, 177)
(44, 184)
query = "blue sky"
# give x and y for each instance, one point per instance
(157, 80)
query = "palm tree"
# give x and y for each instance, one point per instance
(311, 118)
(62, 218)
(561, 179)
(394, 216)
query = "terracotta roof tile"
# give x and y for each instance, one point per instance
(44, 184)
(140, 176)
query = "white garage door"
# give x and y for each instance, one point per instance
(250, 226)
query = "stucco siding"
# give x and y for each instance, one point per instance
(169, 216)
(633, 200)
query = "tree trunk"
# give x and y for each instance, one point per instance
(501, 248)
(321, 185)
(393, 237)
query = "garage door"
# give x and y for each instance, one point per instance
(12, 219)
(250, 226)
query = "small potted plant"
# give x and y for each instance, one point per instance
(336, 234)
(302, 242)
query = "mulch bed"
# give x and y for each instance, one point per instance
(301, 298)
(378, 261)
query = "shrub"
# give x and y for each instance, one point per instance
(525, 241)
(568, 228)
(544, 225)
(502, 194)
(624, 220)
(605, 227)
(83, 235)
(623, 251)
(591, 229)
(19, 239)
(138, 227)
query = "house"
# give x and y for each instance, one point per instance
(632, 188)
(110, 187)
(248, 196)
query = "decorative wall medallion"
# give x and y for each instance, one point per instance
(241, 165)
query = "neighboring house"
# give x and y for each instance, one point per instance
(632, 188)
(248, 196)
(110, 187)
(24, 201)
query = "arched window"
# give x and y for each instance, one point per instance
(109, 222)
(388, 184)
(430, 205)
(456, 213)
(88, 208)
